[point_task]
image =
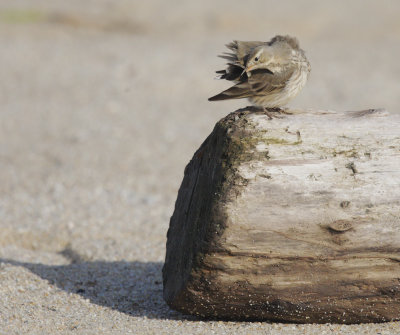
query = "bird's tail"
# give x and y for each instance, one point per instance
(220, 96)
(234, 92)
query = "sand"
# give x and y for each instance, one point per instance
(102, 104)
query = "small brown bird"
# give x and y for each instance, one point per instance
(269, 74)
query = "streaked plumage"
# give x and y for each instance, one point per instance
(269, 74)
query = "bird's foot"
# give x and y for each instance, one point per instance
(271, 112)
(283, 111)
(249, 109)
(274, 112)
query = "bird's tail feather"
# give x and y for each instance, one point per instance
(234, 92)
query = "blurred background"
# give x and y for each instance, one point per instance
(103, 103)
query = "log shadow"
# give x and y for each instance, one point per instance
(133, 288)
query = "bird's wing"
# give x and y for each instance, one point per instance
(241, 49)
(260, 83)
(236, 59)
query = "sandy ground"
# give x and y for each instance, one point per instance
(102, 104)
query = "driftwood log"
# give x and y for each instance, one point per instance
(291, 219)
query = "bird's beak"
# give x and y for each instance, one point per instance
(249, 68)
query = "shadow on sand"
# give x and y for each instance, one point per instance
(134, 288)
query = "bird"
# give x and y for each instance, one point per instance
(269, 74)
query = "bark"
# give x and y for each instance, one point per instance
(291, 219)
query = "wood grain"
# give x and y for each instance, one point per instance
(292, 219)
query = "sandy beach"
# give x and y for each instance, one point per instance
(103, 103)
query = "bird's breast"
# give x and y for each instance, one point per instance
(297, 81)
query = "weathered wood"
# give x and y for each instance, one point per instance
(293, 219)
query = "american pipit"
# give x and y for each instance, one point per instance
(269, 74)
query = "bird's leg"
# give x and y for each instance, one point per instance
(271, 112)
(283, 111)
(268, 113)
(250, 109)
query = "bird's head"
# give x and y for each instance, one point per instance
(259, 58)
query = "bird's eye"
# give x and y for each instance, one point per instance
(256, 59)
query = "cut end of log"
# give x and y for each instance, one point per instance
(293, 219)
